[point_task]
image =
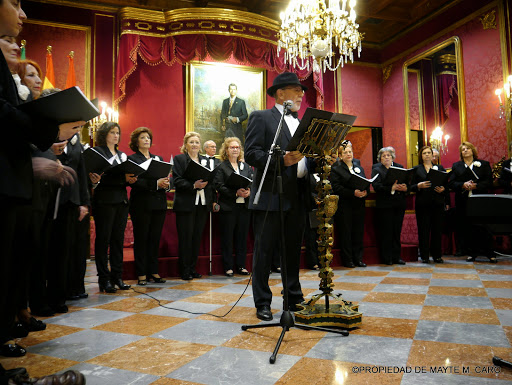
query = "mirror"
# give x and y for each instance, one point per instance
(434, 96)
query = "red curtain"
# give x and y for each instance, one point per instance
(182, 49)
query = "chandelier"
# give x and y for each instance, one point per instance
(439, 141)
(506, 105)
(310, 29)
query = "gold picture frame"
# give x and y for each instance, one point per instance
(208, 87)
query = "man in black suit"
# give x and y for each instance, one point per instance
(210, 149)
(261, 130)
(233, 114)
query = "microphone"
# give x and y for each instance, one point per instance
(287, 104)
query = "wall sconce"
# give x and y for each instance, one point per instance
(505, 105)
(439, 141)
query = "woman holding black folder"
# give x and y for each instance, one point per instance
(110, 210)
(349, 217)
(148, 205)
(390, 207)
(193, 200)
(233, 199)
(429, 205)
(469, 176)
(505, 178)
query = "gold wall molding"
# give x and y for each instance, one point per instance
(386, 73)
(489, 20)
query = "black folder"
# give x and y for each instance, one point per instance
(238, 181)
(95, 162)
(438, 177)
(402, 175)
(469, 174)
(127, 167)
(358, 182)
(195, 171)
(70, 105)
(156, 169)
(309, 115)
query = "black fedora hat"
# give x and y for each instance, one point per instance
(283, 80)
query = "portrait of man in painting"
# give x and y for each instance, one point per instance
(220, 98)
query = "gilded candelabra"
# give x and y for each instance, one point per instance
(505, 111)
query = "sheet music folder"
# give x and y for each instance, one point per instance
(69, 105)
(401, 175)
(195, 171)
(238, 181)
(438, 177)
(326, 129)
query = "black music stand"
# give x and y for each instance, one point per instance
(322, 134)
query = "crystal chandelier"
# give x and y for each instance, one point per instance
(506, 105)
(310, 29)
(439, 141)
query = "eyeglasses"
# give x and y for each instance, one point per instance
(234, 148)
(298, 90)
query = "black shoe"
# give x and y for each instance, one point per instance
(349, 265)
(388, 263)
(438, 260)
(83, 295)
(400, 262)
(142, 282)
(427, 261)
(12, 350)
(264, 313)
(42, 312)
(296, 307)
(120, 284)
(152, 278)
(15, 372)
(195, 274)
(276, 270)
(72, 298)
(18, 330)
(187, 277)
(361, 264)
(107, 287)
(59, 308)
(242, 271)
(493, 259)
(229, 273)
(34, 325)
(470, 259)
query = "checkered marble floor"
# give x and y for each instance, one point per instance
(422, 324)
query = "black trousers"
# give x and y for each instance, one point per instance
(390, 220)
(350, 228)
(429, 219)
(110, 221)
(14, 227)
(234, 228)
(78, 260)
(190, 225)
(267, 234)
(147, 230)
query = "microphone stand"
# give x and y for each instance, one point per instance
(287, 320)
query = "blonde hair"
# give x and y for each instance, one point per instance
(471, 146)
(187, 136)
(224, 149)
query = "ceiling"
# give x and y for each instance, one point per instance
(379, 20)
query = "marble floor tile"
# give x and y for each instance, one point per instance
(455, 283)
(387, 310)
(172, 381)
(494, 277)
(296, 341)
(240, 315)
(101, 375)
(455, 276)
(457, 291)
(96, 300)
(457, 314)
(505, 317)
(154, 356)
(310, 371)
(171, 294)
(474, 334)
(489, 271)
(51, 332)
(224, 365)
(458, 301)
(498, 284)
(354, 286)
(410, 275)
(476, 359)
(83, 345)
(508, 332)
(367, 273)
(140, 324)
(363, 349)
(215, 298)
(502, 303)
(132, 305)
(405, 289)
(201, 331)
(499, 293)
(183, 309)
(197, 285)
(396, 298)
(412, 269)
(386, 327)
(447, 379)
(88, 317)
(456, 271)
(405, 281)
(234, 288)
(351, 295)
(38, 365)
(459, 264)
(359, 279)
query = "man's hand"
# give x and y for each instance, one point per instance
(58, 148)
(131, 178)
(292, 157)
(84, 210)
(67, 130)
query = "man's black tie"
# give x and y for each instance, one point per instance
(295, 114)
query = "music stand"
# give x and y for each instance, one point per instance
(314, 138)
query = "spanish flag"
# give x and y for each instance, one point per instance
(49, 77)
(71, 79)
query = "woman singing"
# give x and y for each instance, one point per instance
(469, 176)
(192, 202)
(350, 214)
(234, 214)
(148, 204)
(110, 210)
(430, 204)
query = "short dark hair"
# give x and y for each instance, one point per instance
(101, 134)
(232, 85)
(134, 137)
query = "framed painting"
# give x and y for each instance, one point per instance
(220, 97)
